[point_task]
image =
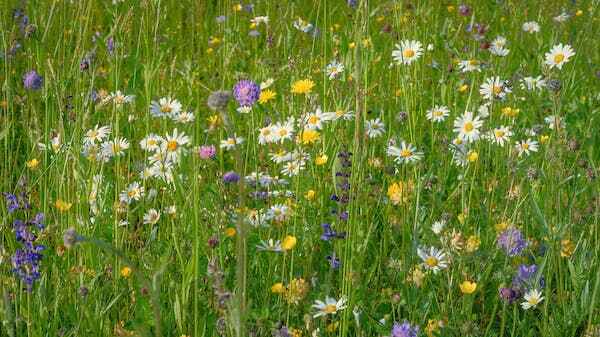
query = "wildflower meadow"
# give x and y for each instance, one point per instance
(289, 168)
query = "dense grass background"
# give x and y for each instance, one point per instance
(168, 48)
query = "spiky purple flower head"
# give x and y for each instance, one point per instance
(404, 330)
(511, 241)
(32, 80)
(246, 92)
(207, 151)
(231, 177)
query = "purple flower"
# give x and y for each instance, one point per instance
(221, 18)
(334, 261)
(246, 92)
(352, 3)
(231, 177)
(32, 80)
(404, 330)
(464, 10)
(511, 241)
(110, 45)
(207, 151)
(329, 233)
(12, 202)
(508, 294)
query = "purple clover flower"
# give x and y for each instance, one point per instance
(511, 241)
(32, 80)
(404, 330)
(207, 151)
(246, 92)
(231, 177)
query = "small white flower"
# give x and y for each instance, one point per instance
(532, 298)
(407, 52)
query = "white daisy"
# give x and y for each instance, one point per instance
(231, 142)
(266, 134)
(407, 52)
(438, 113)
(531, 27)
(119, 99)
(333, 69)
(406, 153)
(533, 83)
(559, 55)
(555, 121)
(526, 146)
(150, 142)
(292, 168)
(133, 192)
(97, 134)
(314, 121)
(467, 127)
(330, 306)
(114, 148)
(165, 107)
(374, 128)
(532, 298)
(151, 217)
(433, 259)
(174, 145)
(501, 135)
(469, 65)
(494, 87)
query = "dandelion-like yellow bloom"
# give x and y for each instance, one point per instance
(468, 287)
(303, 86)
(321, 160)
(308, 136)
(310, 195)
(266, 96)
(289, 242)
(230, 232)
(62, 205)
(126, 272)
(32, 164)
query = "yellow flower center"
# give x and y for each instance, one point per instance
(558, 58)
(499, 133)
(313, 120)
(496, 89)
(525, 146)
(330, 309)
(166, 108)
(469, 126)
(408, 53)
(431, 261)
(405, 153)
(438, 113)
(172, 145)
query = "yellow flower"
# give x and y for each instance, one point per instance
(398, 92)
(278, 288)
(510, 112)
(230, 232)
(266, 96)
(62, 205)
(237, 8)
(32, 164)
(302, 86)
(125, 272)
(213, 121)
(209, 50)
(468, 287)
(450, 9)
(310, 195)
(321, 160)
(463, 88)
(399, 192)
(544, 139)
(352, 45)
(308, 136)
(473, 243)
(472, 156)
(567, 248)
(501, 226)
(289, 242)
(579, 12)
(461, 218)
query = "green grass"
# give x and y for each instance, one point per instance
(167, 49)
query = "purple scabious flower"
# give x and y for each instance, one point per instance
(334, 261)
(231, 177)
(404, 330)
(32, 80)
(207, 151)
(464, 10)
(508, 294)
(511, 241)
(246, 92)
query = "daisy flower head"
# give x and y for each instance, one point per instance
(433, 259)
(531, 27)
(468, 127)
(330, 306)
(498, 46)
(407, 52)
(501, 135)
(532, 298)
(120, 99)
(97, 134)
(533, 83)
(525, 147)
(165, 107)
(150, 143)
(314, 121)
(559, 55)
(469, 65)
(173, 145)
(133, 192)
(151, 217)
(494, 88)
(438, 113)
(405, 154)
(231, 142)
(114, 148)
(374, 128)
(333, 69)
